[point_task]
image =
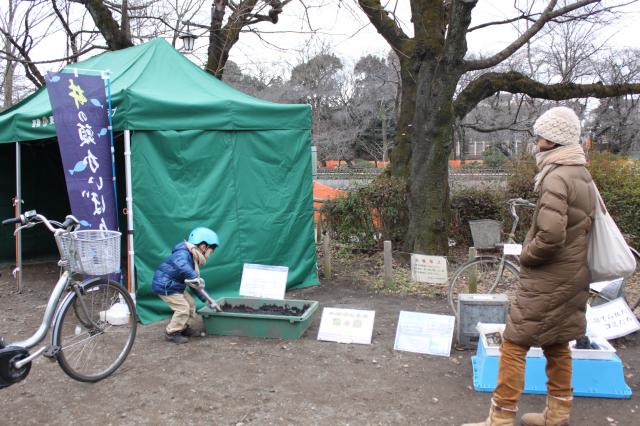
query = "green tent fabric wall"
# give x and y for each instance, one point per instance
(252, 188)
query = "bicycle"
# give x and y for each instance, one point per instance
(93, 320)
(489, 273)
(497, 274)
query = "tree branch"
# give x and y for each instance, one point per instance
(547, 15)
(31, 70)
(459, 20)
(383, 23)
(514, 82)
(116, 38)
(506, 21)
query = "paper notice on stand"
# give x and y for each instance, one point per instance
(424, 333)
(611, 320)
(346, 325)
(513, 249)
(269, 282)
(428, 269)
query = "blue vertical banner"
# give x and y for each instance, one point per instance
(81, 115)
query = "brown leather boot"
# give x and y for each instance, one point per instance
(497, 417)
(556, 413)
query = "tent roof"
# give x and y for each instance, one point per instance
(153, 87)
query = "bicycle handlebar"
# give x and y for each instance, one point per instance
(13, 220)
(32, 218)
(521, 202)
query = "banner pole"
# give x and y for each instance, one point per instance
(17, 204)
(129, 199)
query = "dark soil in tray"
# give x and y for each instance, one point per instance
(267, 309)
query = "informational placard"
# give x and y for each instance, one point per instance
(346, 325)
(424, 333)
(611, 320)
(269, 282)
(428, 269)
(513, 249)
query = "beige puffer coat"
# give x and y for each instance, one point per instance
(551, 301)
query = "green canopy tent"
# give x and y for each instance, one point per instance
(197, 153)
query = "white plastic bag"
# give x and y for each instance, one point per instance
(609, 255)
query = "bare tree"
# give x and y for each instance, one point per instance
(615, 124)
(432, 63)
(23, 27)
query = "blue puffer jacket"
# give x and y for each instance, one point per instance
(170, 275)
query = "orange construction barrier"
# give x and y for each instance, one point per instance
(324, 192)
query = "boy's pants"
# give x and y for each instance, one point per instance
(184, 311)
(511, 373)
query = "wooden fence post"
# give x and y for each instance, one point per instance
(388, 266)
(327, 254)
(473, 272)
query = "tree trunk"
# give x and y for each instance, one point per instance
(115, 38)
(400, 155)
(428, 184)
(9, 65)
(385, 141)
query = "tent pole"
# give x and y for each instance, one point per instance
(17, 205)
(129, 199)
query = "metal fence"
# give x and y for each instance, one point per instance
(370, 173)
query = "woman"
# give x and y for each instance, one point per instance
(550, 305)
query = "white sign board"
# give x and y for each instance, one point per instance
(424, 333)
(513, 249)
(428, 269)
(346, 325)
(269, 282)
(611, 320)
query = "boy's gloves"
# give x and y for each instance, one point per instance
(214, 306)
(197, 283)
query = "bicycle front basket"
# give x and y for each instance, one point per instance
(485, 233)
(92, 252)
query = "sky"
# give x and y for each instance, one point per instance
(343, 27)
(350, 35)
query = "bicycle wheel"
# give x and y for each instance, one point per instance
(631, 289)
(91, 350)
(483, 275)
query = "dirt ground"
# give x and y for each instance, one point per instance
(249, 381)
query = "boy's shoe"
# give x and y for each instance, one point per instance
(189, 332)
(175, 337)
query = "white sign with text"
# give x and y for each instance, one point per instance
(513, 249)
(346, 325)
(428, 269)
(269, 282)
(424, 333)
(611, 320)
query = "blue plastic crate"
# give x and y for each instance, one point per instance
(591, 377)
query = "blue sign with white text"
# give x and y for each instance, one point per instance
(81, 116)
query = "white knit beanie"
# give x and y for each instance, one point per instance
(559, 125)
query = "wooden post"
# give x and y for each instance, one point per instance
(327, 254)
(473, 272)
(388, 266)
(319, 228)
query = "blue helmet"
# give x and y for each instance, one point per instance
(204, 235)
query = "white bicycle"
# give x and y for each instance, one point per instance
(94, 319)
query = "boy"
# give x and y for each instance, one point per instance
(169, 281)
